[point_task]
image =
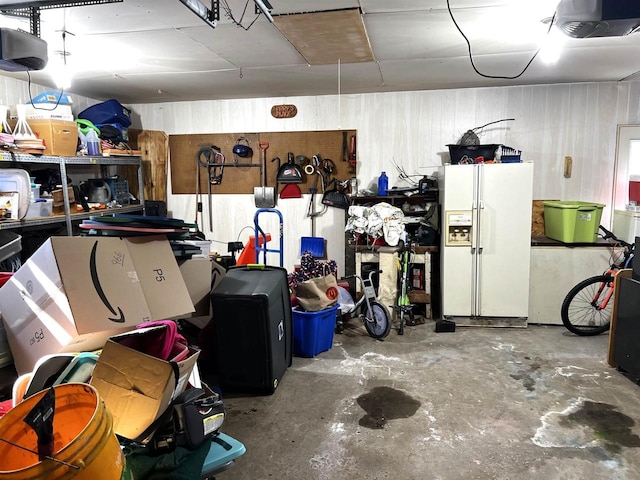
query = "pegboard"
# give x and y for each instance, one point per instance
(328, 144)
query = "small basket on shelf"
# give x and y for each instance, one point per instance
(510, 155)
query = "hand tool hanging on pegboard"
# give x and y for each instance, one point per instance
(345, 147)
(315, 168)
(212, 159)
(198, 196)
(352, 154)
(263, 196)
(275, 194)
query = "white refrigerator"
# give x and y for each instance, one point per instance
(626, 225)
(486, 243)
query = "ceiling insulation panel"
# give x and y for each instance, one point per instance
(323, 38)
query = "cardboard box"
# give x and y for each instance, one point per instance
(58, 201)
(201, 275)
(197, 275)
(73, 293)
(137, 388)
(47, 110)
(60, 136)
(58, 197)
(60, 210)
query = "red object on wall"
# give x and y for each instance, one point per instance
(634, 189)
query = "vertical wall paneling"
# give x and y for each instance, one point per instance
(632, 98)
(414, 127)
(14, 91)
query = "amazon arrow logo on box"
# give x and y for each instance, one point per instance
(75, 292)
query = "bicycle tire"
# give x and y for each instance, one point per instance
(580, 315)
(377, 324)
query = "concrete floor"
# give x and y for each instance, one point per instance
(479, 403)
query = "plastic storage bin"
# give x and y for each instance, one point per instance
(460, 152)
(253, 328)
(43, 207)
(572, 222)
(313, 331)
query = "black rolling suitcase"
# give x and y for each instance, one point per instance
(251, 310)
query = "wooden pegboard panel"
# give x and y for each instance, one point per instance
(184, 148)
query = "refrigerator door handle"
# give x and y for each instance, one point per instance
(480, 207)
(475, 239)
(479, 228)
(474, 213)
(474, 216)
(477, 307)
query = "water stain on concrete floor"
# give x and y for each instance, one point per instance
(382, 404)
(611, 427)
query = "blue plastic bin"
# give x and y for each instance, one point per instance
(315, 245)
(313, 331)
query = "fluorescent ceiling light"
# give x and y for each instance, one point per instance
(60, 73)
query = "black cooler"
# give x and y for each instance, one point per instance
(251, 309)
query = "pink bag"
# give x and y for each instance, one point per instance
(165, 344)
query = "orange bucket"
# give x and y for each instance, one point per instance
(85, 445)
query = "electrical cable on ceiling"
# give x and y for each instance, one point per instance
(471, 56)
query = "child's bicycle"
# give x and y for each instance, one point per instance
(372, 313)
(403, 307)
(586, 310)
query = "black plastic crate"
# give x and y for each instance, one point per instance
(119, 190)
(460, 153)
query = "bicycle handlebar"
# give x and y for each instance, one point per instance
(371, 273)
(610, 235)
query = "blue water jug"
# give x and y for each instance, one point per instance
(383, 184)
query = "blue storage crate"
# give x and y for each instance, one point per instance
(315, 245)
(313, 331)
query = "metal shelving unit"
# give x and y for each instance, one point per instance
(62, 163)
